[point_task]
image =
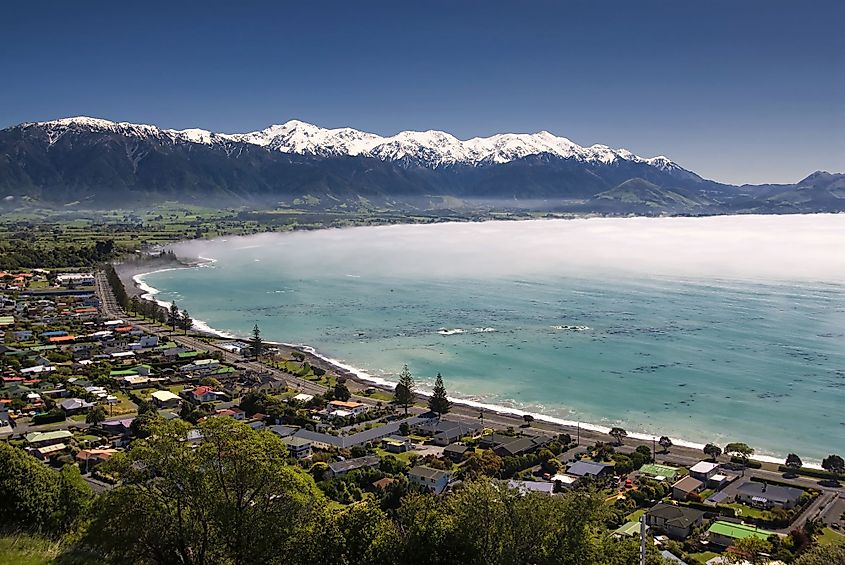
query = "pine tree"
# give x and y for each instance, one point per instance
(438, 402)
(185, 321)
(404, 393)
(173, 316)
(256, 345)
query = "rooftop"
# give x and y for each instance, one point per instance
(428, 472)
(352, 464)
(738, 531)
(771, 492)
(703, 467)
(36, 437)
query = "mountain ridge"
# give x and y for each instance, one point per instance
(432, 148)
(100, 163)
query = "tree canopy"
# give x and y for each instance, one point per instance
(438, 401)
(403, 394)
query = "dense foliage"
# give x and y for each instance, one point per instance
(20, 253)
(233, 498)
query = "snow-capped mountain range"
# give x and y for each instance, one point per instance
(431, 149)
(99, 163)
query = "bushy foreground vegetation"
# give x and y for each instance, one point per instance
(233, 498)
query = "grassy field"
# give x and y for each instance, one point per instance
(831, 537)
(703, 557)
(24, 549)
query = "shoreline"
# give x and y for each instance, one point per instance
(140, 288)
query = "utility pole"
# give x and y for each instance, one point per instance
(642, 539)
(578, 441)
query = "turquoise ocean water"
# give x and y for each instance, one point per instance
(692, 356)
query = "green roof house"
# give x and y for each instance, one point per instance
(725, 533)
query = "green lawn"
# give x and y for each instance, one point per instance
(406, 457)
(380, 395)
(747, 511)
(830, 537)
(703, 557)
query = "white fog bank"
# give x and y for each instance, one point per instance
(773, 248)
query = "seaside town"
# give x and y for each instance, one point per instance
(88, 366)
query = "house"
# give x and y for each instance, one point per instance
(704, 471)
(235, 413)
(762, 495)
(200, 367)
(525, 487)
(562, 481)
(455, 452)
(343, 408)
(49, 450)
(519, 446)
(396, 444)
(382, 484)
(92, 457)
(43, 439)
(75, 279)
(340, 468)
(283, 431)
(443, 431)
(298, 448)
(677, 522)
(118, 427)
(236, 347)
(683, 488)
(627, 530)
(724, 534)
(304, 398)
(434, 480)
(659, 472)
(492, 440)
(75, 406)
(202, 394)
(165, 399)
(148, 341)
(589, 469)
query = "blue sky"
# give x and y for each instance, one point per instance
(739, 91)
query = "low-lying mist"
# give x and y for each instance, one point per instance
(771, 248)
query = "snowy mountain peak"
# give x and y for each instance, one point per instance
(431, 148)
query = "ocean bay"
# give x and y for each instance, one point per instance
(706, 329)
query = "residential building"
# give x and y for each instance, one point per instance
(340, 468)
(165, 399)
(455, 452)
(396, 444)
(118, 427)
(659, 472)
(434, 480)
(532, 486)
(686, 486)
(42, 439)
(589, 469)
(202, 394)
(520, 446)
(75, 405)
(704, 471)
(724, 533)
(443, 431)
(765, 496)
(298, 448)
(677, 522)
(340, 407)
